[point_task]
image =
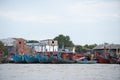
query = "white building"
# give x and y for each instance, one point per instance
(48, 45)
(9, 42)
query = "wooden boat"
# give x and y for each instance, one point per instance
(57, 59)
(113, 60)
(43, 58)
(18, 58)
(62, 57)
(86, 62)
(101, 59)
(67, 61)
(81, 59)
(30, 59)
(67, 57)
(118, 60)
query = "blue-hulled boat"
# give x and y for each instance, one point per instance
(47, 59)
(56, 58)
(40, 57)
(18, 58)
(59, 58)
(30, 59)
(43, 58)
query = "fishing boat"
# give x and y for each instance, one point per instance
(67, 61)
(30, 59)
(40, 58)
(82, 59)
(43, 58)
(18, 58)
(67, 57)
(101, 59)
(114, 59)
(62, 57)
(86, 62)
(55, 57)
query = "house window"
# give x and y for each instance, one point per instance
(52, 42)
(19, 42)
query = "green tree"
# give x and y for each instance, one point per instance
(90, 46)
(106, 43)
(32, 41)
(64, 40)
(4, 48)
(80, 49)
(83, 49)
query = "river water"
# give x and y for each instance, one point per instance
(59, 72)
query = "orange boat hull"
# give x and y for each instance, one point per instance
(102, 60)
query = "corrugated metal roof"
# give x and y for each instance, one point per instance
(32, 44)
(109, 46)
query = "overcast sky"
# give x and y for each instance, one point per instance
(85, 21)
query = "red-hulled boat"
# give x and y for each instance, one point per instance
(101, 59)
(78, 56)
(104, 58)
